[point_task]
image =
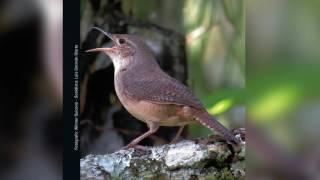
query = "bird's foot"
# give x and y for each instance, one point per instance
(240, 134)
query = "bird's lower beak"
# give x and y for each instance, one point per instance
(106, 50)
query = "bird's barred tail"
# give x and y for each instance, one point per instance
(205, 119)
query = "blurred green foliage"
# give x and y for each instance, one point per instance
(283, 70)
(278, 91)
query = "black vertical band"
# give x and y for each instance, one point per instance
(71, 39)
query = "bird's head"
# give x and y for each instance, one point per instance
(127, 50)
(122, 50)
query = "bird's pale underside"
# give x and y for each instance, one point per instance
(151, 95)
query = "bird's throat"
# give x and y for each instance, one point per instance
(121, 65)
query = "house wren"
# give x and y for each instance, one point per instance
(149, 94)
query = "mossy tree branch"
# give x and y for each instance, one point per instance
(187, 159)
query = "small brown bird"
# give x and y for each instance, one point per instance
(149, 94)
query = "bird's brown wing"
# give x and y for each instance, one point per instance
(164, 90)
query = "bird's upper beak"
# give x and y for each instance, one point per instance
(106, 50)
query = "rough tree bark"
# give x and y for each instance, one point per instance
(198, 159)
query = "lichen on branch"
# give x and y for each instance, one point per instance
(186, 159)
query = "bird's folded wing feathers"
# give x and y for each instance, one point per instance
(164, 91)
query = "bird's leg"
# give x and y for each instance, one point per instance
(153, 127)
(177, 135)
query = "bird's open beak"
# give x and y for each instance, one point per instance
(107, 50)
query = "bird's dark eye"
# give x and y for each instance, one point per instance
(122, 41)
